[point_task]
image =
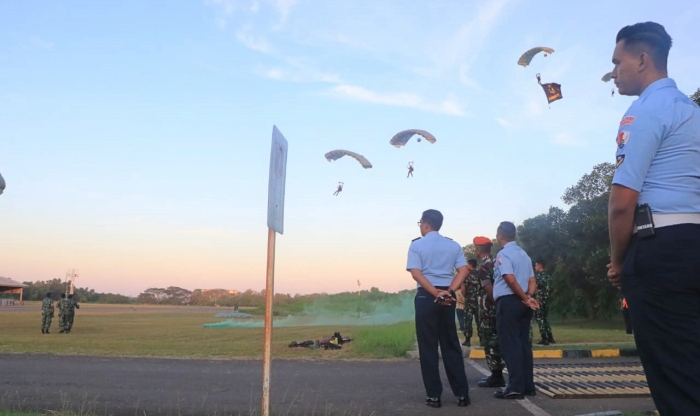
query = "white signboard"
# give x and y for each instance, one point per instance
(278, 176)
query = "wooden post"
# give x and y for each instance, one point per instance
(269, 289)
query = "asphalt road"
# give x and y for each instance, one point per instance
(144, 386)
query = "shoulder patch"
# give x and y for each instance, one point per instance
(416, 239)
(626, 121)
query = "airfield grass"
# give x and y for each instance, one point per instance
(177, 332)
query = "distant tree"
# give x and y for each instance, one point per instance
(696, 97)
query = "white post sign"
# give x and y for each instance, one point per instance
(275, 224)
(278, 176)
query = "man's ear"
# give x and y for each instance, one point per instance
(644, 61)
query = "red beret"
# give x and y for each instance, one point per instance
(481, 241)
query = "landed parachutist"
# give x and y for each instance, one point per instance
(340, 188)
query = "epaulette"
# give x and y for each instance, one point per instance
(448, 238)
(416, 239)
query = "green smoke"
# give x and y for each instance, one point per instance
(346, 309)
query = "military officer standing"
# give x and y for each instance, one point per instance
(544, 288)
(432, 260)
(513, 290)
(72, 306)
(63, 305)
(654, 217)
(47, 312)
(488, 334)
(471, 289)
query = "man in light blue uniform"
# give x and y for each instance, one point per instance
(654, 218)
(432, 261)
(513, 290)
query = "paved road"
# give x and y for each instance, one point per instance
(143, 386)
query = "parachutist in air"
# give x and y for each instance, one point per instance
(410, 169)
(539, 80)
(612, 92)
(340, 188)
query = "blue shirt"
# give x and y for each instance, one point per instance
(658, 149)
(511, 260)
(437, 257)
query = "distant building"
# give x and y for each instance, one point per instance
(9, 286)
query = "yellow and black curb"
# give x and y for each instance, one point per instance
(606, 353)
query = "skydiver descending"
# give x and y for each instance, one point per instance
(539, 80)
(340, 188)
(410, 169)
(612, 92)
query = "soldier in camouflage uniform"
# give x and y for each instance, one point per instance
(46, 313)
(471, 289)
(63, 313)
(72, 306)
(544, 287)
(487, 315)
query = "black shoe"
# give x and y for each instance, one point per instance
(544, 341)
(463, 401)
(506, 394)
(551, 340)
(61, 331)
(433, 402)
(47, 331)
(530, 392)
(467, 343)
(493, 380)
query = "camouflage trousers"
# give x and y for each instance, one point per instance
(488, 336)
(471, 313)
(542, 317)
(71, 317)
(46, 319)
(63, 322)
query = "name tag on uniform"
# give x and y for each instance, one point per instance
(644, 221)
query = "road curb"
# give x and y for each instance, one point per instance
(563, 353)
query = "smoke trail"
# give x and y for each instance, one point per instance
(339, 310)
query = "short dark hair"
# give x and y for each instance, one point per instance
(433, 218)
(650, 35)
(48, 294)
(506, 229)
(63, 295)
(541, 262)
(472, 262)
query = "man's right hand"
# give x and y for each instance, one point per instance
(615, 274)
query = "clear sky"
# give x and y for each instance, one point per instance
(135, 135)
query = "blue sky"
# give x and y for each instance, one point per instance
(135, 136)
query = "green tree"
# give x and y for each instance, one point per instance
(696, 97)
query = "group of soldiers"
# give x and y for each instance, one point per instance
(66, 313)
(478, 306)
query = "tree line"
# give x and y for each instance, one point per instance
(38, 290)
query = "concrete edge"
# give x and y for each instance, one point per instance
(599, 353)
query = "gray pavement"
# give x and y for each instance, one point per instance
(144, 386)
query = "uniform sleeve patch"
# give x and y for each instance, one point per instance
(626, 121)
(620, 159)
(622, 138)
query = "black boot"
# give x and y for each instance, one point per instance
(494, 380)
(42, 330)
(544, 341)
(550, 338)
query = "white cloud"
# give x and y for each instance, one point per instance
(503, 122)
(403, 99)
(37, 41)
(566, 139)
(283, 7)
(245, 37)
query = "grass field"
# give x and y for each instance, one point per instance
(177, 332)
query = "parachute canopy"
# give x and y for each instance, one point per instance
(337, 154)
(527, 56)
(2, 184)
(402, 137)
(607, 77)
